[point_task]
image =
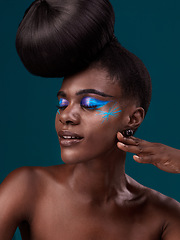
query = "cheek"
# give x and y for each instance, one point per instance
(102, 131)
(105, 127)
(99, 138)
(109, 113)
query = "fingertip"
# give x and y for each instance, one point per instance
(137, 158)
(119, 135)
(121, 145)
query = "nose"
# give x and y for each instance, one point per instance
(69, 116)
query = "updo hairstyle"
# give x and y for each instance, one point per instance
(59, 37)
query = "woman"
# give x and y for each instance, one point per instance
(90, 196)
(90, 31)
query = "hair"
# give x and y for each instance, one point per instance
(128, 70)
(58, 37)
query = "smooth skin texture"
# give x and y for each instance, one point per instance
(164, 157)
(89, 197)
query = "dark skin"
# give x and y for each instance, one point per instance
(164, 157)
(89, 197)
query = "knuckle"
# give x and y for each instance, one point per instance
(140, 149)
(139, 141)
(136, 140)
(166, 163)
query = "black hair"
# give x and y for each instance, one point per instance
(59, 37)
(128, 70)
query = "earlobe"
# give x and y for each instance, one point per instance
(136, 118)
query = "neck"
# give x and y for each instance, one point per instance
(100, 179)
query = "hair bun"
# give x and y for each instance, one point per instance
(59, 37)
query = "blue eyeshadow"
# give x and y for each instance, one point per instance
(63, 102)
(93, 103)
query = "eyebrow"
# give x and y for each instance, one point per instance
(61, 94)
(84, 91)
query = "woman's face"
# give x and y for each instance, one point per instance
(90, 114)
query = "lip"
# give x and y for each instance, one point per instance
(76, 138)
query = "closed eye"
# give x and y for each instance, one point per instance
(63, 103)
(92, 103)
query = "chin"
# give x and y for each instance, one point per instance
(70, 157)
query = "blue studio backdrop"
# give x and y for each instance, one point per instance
(149, 29)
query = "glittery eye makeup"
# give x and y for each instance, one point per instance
(63, 103)
(93, 103)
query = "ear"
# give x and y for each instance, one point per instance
(136, 117)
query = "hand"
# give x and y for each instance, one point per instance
(164, 157)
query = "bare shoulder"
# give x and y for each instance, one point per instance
(18, 186)
(22, 187)
(24, 183)
(168, 210)
(17, 193)
(20, 176)
(19, 179)
(169, 207)
(162, 210)
(155, 198)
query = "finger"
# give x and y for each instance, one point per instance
(140, 149)
(145, 159)
(127, 141)
(144, 143)
(136, 145)
(129, 148)
(165, 166)
(134, 141)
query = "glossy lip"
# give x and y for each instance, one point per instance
(69, 142)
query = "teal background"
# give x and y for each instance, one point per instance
(150, 29)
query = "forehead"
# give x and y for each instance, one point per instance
(91, 79)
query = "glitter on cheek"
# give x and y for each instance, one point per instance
(112, 112)
(58, 111)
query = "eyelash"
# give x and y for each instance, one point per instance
(83, 106)
(61, 108)
(90, 107)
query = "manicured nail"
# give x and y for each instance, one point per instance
(121, 144)
(137, 158)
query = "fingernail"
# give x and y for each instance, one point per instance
(137, 158)
(121, 144)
